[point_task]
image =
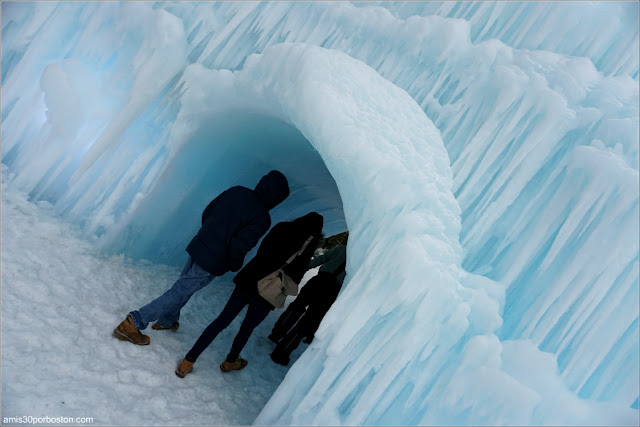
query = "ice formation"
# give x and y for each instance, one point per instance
(488, 179)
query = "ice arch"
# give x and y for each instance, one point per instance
(393, 176)
(373, 142)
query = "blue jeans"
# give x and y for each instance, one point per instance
(256, 313)
(166, 308)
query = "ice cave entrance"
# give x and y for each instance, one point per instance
(231, 148)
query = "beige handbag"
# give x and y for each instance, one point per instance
(276, 286)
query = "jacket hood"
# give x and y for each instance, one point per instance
(311, 223)
(272, 189)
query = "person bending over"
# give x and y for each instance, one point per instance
(232, 224)
(263, 285)
(303, 316)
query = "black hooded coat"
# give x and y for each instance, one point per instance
(234, 222)
(284, 239)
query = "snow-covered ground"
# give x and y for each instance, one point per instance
(60, 302)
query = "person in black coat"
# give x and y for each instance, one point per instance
(303, 316)
(279, 264)
(232, 224)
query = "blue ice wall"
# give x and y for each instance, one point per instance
(104, 106)
(603, 32)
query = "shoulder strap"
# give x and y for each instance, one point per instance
(304, 246)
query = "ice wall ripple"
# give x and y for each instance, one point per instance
(607, 34)
(530, 135)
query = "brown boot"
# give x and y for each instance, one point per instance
(240, 363)
(184, 368)
(158, 327)
(126, 331)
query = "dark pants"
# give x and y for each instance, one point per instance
(256, 313)
(303, 316)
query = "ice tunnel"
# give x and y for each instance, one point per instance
(288, 109)
(341, 133)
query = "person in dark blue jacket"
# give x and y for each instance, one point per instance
(232, 224)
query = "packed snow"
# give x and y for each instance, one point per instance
(488, 180)
(61, 300)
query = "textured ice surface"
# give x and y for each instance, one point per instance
(489, 181)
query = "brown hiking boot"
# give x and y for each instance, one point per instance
(126, 331)
(158, 327)
(184, 368)
(240, 363)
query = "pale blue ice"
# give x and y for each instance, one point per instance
(483, 156)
